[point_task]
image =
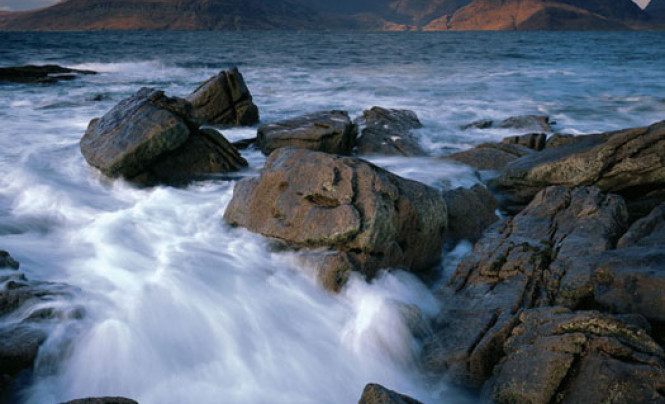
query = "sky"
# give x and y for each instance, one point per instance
(16, 5)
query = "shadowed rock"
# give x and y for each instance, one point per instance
(224, 99)
(149, 137)
(6, 261)
(102, 400)
(490, 156)
(522, 122)
(560, 139)
(534, 141)
(325, 131)
(312, 199)
(470, 212)
(388, 131)
(47, 74)
(377, 394)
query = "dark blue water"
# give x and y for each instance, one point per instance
(182, 308)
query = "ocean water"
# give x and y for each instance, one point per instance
(181, 308)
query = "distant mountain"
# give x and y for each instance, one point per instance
(331, 14)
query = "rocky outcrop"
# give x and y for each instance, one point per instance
(555, 355)
(629, 162)
(388, 131)
(377, 394)
(47, 74)
(373, 218)
(102, 400)
(150, 137)
(325, 131)
(224, 99)
(521, 122)
(470, 212)
(518, 264)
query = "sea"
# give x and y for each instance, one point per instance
(182, 308)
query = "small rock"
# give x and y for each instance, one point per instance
(377, 394)
(470, 212)
(325, 131)
(483, 158)
(560, 139)
(481, 124)
(224, 99)
(102, 400)
(6, 261)
(534, 141)
(523, 122)
(388, 131)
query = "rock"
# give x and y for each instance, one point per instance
(470, 212)
(523, 122)
(244, 144)
(102, 400)
(224, 99)
(377, 394)
(484, 158)
(6, 261)
(534, 141)
(388, 131)
(626, 162)
(325, 131)
(555, 355)
(560, 139)
(46, 74)
(19, 346)
(149, 137)
(646, 232)
(312, 199)
(519, 264)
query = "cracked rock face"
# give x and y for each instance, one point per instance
(325, 131)
(553, 355)
(224, 99)
(389, 131)
(312, 199)
(519, 264)
(629, 162)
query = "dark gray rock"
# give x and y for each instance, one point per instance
(534, 141)
(560, 139)
(481, 124)
(388, 131)
(518, 264)
(522, 122)
(149, 137)
(325, 131)
(6, 261)
(102, 400)
(470, 212)
(377, 394)
(312, 199)
(47, 74)
(628, 162)
(490, 156)
(224, 99)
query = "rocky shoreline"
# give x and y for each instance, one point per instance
(560, 300)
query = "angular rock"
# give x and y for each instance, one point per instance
(6, 261)
(518, 264)
(534, 141)
(388, 131)
(555, 355)
(377, 394)
(224, 99)
(560, 139)
(626, 162)
(325, 131)
(646, 232)
(46, 74)
(470, 212)
(312, 199)
(102, 400)
(149, 137)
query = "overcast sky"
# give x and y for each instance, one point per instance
(15, 5)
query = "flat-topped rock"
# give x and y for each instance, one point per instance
(325, 131)
(46, 74)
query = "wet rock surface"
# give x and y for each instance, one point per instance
(150, 137)
(224, 99)
(389, 132)
(521, 122)
(47, 74)
(7, 262)
(102, 400)
(325, 131)
(470, 212)
(377, 394)
(375, 219)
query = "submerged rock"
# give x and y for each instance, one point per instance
(102, 400)
(518, 264)
(377, 394)
(224, 99)
(388, 131)
(524, 122)
(470, 212)
(149, 137)
(629, 162)
(325, 131)
(374, 218)
(46, 74)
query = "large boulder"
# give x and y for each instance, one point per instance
(150, 137)
(224, 99)
(388, 131)
(629, 162)
(312, 199)
(325, 131)
(555, 355)
(470, 212)
(518, 264)
(377, 394)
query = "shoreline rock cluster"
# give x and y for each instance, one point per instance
(47, 74)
